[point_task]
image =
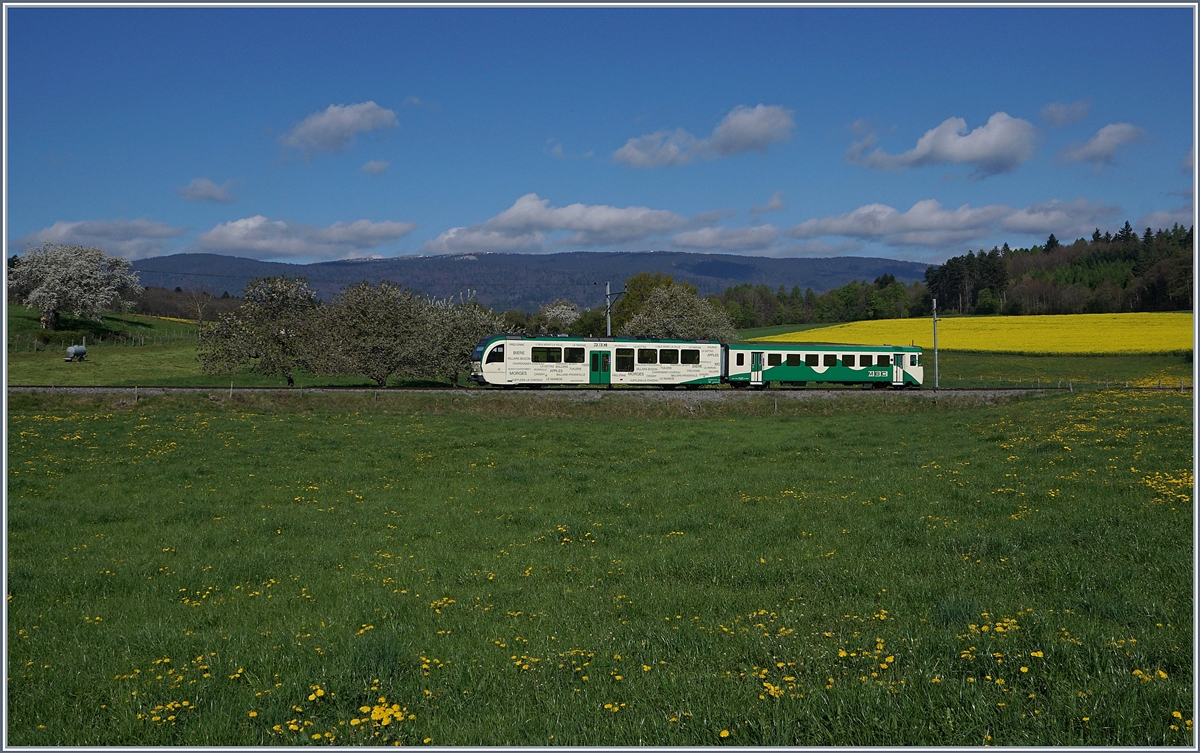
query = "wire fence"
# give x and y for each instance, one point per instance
(34, 343)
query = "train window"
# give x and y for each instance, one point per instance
(689, 356)
(811, 359)
(793, 359)
(573, 355)
(547, 355)
(741, 359)
(668, 356)
(912, 360)
(848, 360)
(830, 359)
(624, 359)
(883, 361)
(497, 355)
(774, 359)
(647, 355)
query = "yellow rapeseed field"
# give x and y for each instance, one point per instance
(1064, 333)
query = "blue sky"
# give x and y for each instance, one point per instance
(307, 134)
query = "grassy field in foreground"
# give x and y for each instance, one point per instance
(1066, 333)
(306, 569)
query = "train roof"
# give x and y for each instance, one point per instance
(586, 338)
(564, 339)
(750, 345)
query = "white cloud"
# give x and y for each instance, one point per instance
(927, 223)
(1060, 113)
(1066, 218)
(558, 152)
(744, 129)
(375, 167)
(747, 129)
(262, 238)
(476, 238)
(132, 239)
(590, 224)
(1188, 164)
(531, 222)
(334, 128)
(660, 149)
(727, 239)
(1103, 146)
(1164, 219)
(774, 204)
(203, 189)
(998, 146)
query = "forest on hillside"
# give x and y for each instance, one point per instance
(1108, 273)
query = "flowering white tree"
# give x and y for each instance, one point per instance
(554, 318)
(271, 332)
(458, 328)
(375, 331)
(84, 281)
(385, 330)
(675, 312)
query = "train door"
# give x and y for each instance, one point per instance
(756, 360)
(897, 369)
(601, 367)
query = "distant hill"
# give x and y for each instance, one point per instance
(526, 281)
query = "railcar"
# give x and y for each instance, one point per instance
(800, 364)
(515, 360)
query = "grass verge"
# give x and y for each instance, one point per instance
(288, 570)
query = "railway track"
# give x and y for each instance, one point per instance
(702, 393)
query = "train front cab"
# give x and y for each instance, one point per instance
(487, 360)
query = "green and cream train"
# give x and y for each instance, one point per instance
(520, 361)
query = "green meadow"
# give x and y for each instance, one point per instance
(176, 364)
(545, 569)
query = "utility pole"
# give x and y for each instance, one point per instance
(607, 310)
(935, 360)
(608, 299)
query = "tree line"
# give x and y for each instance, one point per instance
(1104, 274)
(885, 298)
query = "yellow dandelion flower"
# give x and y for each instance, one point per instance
(724, 733)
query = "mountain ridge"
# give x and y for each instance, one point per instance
(526, 281)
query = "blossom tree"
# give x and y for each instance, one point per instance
(272, 332)
(385, 330)
(675, 312)
(84, 281)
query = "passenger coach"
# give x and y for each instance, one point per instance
(511, 360)
(515, 360)
(798, 364)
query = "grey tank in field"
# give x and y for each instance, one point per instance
(76, 353)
